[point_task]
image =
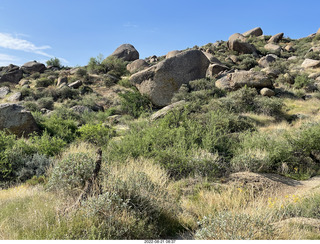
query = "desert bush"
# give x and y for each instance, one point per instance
(67, 93)
(70, 174)
(143, 186)
(125, 82)
(81, 72)
(134, 103)
(31, 106)
(269, 106)
(60, 125)
(43, 82)
(233, 226)
(246, 62)
(95, 65)
(115, 66)
(301, 81)
(35, 75)
(96, 133)
(55, 62)
(46, 102)
(313, 55)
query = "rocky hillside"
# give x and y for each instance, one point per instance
(163, 143)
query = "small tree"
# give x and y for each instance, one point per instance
(55, 62)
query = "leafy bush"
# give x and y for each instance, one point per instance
(67, 93)
(46, 102)
(63, 127)
(55, 62)
(301, 81)
(43, 82)
(134, 103)
(71, 172)
(97, 134)
(229, 226)
(31, 106)
(115, 66)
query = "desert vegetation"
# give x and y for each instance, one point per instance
(226, 164)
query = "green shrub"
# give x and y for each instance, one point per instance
(63, 127)
(115, 66)
(134, 104)
(46, 102)
(301, 81)
(97, 134)
(43, 82)
(71, 173)
(268, 106)
(67, 93)
(125, 82)
(55, 62)
(233, 226)
(313, 55)
(81, 72)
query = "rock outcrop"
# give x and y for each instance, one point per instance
(127, 52)
(310, 64)
(11, 73)
(137, 65)
(172, 53)
(32, 67)
(162, 80)
(237, 42)
(17, 120)
(254, 32)
(276, 38)
(234, 81)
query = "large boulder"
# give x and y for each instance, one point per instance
(212, 58)
(11, 73)
(162, 80)
(33, 67)
(137, 65)
(254, 32)
(17, 120)
(273, 47)
(4, 91)
(172, 53)
(237, 42)
(318, 32)
(215, 69)
(164, 111)
(267, 60)
(234, 81)
(310, 63)
(276, 38)
(127, 52)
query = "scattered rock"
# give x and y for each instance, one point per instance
(289, 47)
(254, 32)
(17, 120)
(276, 38)
(62, 80)
(162, 112)
(292, 58)
(162, 80)
(234, 81)
(267, 60)
(4, 91)
(81, 109)
(137, 65)
(153, 59)
(76, 84)
(271, 72)
(237, 42)
(314, 75)
(172, 53)
(32, 67)
(127, 52)
(212, 58)
(215, 69)
(272, 47)
(11, 73)
(267, 92)
(310, 63)
(15, 97)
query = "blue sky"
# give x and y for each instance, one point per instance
(75, 30)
